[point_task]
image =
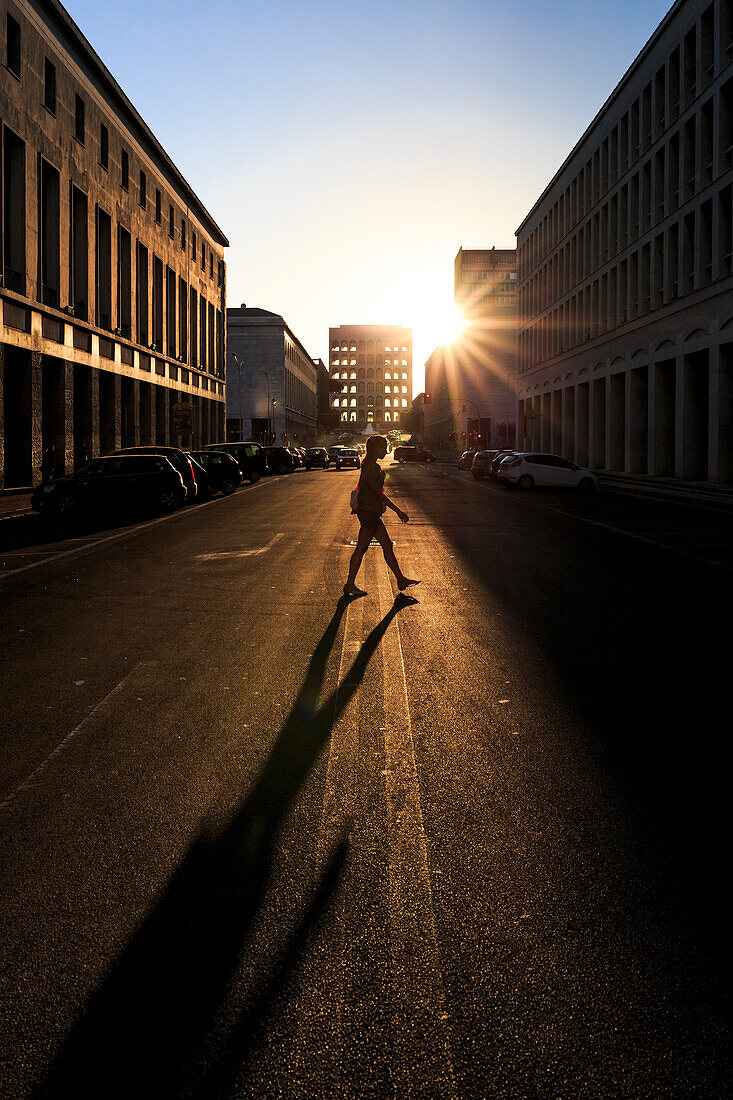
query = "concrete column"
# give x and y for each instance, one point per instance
(58, 412)
(568, 423)
(135, 402)
(86, 413)
(546, 443)
(162, 428)
(582, 424)
(147, 415)
(725, 414)
(110, 411)
(716, 399)
(556, 421)
(597, 430)
(692, 416)
(662, 418)
(635, 451)
(651, 417)
(615, 421)
(2, 415)
(35, 412)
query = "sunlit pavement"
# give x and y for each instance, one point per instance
(262, 841)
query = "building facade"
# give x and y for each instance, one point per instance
(272, 392)
(112, 282)
(373, 363)
(626, 268)
(472, 382)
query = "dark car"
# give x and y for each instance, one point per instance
(249, 455)
(464, 462)
(333, 451)
(178, 459)
(114, 483)
(413, 454)
(348, 456)
(316, 456)
(497, 461)
(297, 456)
(279, 460)
(221, 469)
(481, 463)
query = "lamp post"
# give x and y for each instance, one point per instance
(274, 403)
(239, 394)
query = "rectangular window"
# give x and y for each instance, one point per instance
(158, 206)
(141, 294)
(183, 234)
(202, 332)
(194, 311)
(104, 147)
(211, 265)
(707, 44)
(14, 219)
(79, 253)
(193, 245)
(79, 120)
(171, 221)
(50, 240)
(203, 256)
(689, 64)
(49, 86)
(124, 282)
(158, 303)
(211, 346)
(143, 190)
(104, 269)
(725, 231)
(125, 179)
(688, 252)
(182, 320)
(12, 46)
(170, 312)
(706, 242)
(726, 126)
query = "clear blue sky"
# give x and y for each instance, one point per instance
(347, 150)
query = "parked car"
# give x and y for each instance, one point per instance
(221, 469)
(413, 454)
(279, 460)
(528, 469)
(497, 461)
(316, 456)
(114, 483)
(178, 459)
(464, 462)
(482, 462)
(348, 456)
(297, 457)
(250, 457)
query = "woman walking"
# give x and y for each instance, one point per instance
(371, 506)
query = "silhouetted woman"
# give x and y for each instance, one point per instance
(372, 505)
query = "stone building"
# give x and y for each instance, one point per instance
(112, 277)
(272, 388)
(626, 268)
(374, 365)
(472, 382)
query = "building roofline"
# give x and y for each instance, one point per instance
(633, 67)
(59, 16)
(259, 316)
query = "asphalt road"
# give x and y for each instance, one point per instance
(261, 841)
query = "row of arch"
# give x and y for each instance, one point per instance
(353, 401)
(369, 373)
(369, 360)
(371, 387)
(388, 418)
(368, 345)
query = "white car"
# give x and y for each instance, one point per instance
(530, 468)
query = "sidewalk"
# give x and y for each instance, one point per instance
(15, 502)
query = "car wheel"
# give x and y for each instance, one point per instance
(228, 486)
(526, 481)
(281, 468)
(477, 475)
(586, 485)
(254, 477)
(64, 505)
(169, 500)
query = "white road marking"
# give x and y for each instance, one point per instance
(416, 962)
(216, 555)
(99, 709)
(128, 533)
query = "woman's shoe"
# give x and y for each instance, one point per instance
(405, 583)
(353, 591)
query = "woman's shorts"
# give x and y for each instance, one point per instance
(369, 520)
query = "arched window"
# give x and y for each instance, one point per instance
(361, 387)
(335, 402)
(388, 402)
(352, 361)
(388, 374)
(379, 388)
(404, 362)
(362, 359)
(404, 389)
(370, 400)
(396, 417)
(370, 345)
(362, 345)
(344, 416)
(370, 416)
(387, 418)
(388, 347)
(353, 402)
(370, 372)
(335, 375)
(380, 345)
(387, 388)
(404, 375)
(370, 360)
(360, 399)
(362, 373)
(379, 373)
(353, 418)
(370, 387)
(404, 402)
(379, 400)
(380, 360)
(353, 374)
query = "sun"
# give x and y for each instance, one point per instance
(442, 326)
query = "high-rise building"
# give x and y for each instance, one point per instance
(626, 268)
(112, 279)
(471, 383)
(373, 363)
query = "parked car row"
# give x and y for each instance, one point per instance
(527, 469)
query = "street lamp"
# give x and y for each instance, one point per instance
(274, 403)
(239, 394)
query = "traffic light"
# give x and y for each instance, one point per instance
(427, 399)
(463, 435)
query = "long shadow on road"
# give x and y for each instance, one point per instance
(145, 1029)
